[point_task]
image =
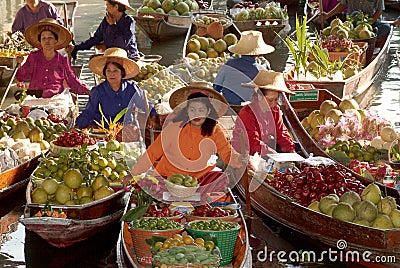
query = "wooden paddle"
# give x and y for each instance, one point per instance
(9, 84)
(245, 178)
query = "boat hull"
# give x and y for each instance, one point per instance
(83, 221)
(17, 178)
(353, 86)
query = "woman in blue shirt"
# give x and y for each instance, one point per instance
(117, 29)
(115, 93)
(241, 70)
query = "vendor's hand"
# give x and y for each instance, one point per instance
(396, 22)
(110, 19)
(151, 122)
(250, 166)
(87, 91)
(19, 59)
(69, 48)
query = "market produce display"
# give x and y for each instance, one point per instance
(369, 208)
(199, 47)
(247, 11)
(13, 45)
(148, 70)
(172, 7)
(363, 30)
(186, 255)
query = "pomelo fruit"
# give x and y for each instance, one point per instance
(39, 196)
(193, 45)
(230, 39)
(73, 178)
(50, 185)
(220, 45)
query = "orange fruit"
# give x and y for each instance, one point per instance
(209, 245)
(199, 240)
(177, 236)
(188, 240)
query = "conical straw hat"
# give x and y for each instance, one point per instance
(114, 54)
(125, 3)
(48, 24)
(251, 43)
(269, 80)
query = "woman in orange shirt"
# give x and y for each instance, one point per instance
(190, 142)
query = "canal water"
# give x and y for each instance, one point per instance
(21, 248)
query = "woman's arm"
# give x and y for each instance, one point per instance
(153, 153)
(91, 112)
(72, 81)
(25, 72)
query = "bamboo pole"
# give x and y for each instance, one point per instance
(245, 178)
(9, 85)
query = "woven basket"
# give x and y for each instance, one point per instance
(180, 191)
(176, 218)
(228, 20)
(226, 240)
(188, 265)
(142, 249)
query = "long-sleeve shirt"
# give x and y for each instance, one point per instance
(49, 75)
(264, 130)
(112, 102)
(121, 34)
(184, 150)
(232, 74)
(25, 17)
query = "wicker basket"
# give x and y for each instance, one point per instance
(188, 265)
(142, 249)
(180, 191)
(226, 240)
(228, 20)
(177, 218)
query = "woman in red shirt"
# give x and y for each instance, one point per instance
(261, 120)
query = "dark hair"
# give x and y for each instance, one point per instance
(208, 126)
(121, 7)
(119, 66)
(40, 35)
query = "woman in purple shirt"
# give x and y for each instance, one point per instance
(33, 12)
(117, 29)
(46, 69)
(115, 93)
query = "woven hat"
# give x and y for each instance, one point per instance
(114, 54)
(217, 100)
(251, 43)
(125, 3)
(269, 80)
(49, 24)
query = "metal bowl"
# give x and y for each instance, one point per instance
(151, 58)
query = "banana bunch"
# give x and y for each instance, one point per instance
(15, 41)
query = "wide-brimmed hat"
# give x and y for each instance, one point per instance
(48, 24)
(114, 54)
(269, 80)
(217, 100)
(251, 43)
(125, 3)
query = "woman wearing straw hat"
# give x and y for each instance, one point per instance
(33, 12)
(241, 70)
(262, 118)
(115, 93)
(46, 69)
(189, 144)
(117, 29)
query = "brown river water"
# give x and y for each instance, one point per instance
(21, 248)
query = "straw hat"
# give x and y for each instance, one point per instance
(125, 3)
(114, 54)
(251, 43)
(217, 100)
(33, 31)
(269, 80)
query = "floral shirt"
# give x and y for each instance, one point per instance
(49, 75)
(112, 102)
(25, 17)
(121, 34)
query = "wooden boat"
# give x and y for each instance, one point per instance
(291, 109)
(242, 253)
(82, 222)
(354, 85)
(270, 32)
(16, 178)
(392, 4)
(193, 28)
(161, 27)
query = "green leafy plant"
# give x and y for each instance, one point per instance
(111, 127)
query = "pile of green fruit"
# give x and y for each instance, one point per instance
(160, 84)
(271, 11)
(207, 47)
(355, 150)
(183, 180)
(187, 255)
(36, 130)
(155, 224)
(148, 70)
(346, 29)
(213, 225)
(170, 7)
(205, 20)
